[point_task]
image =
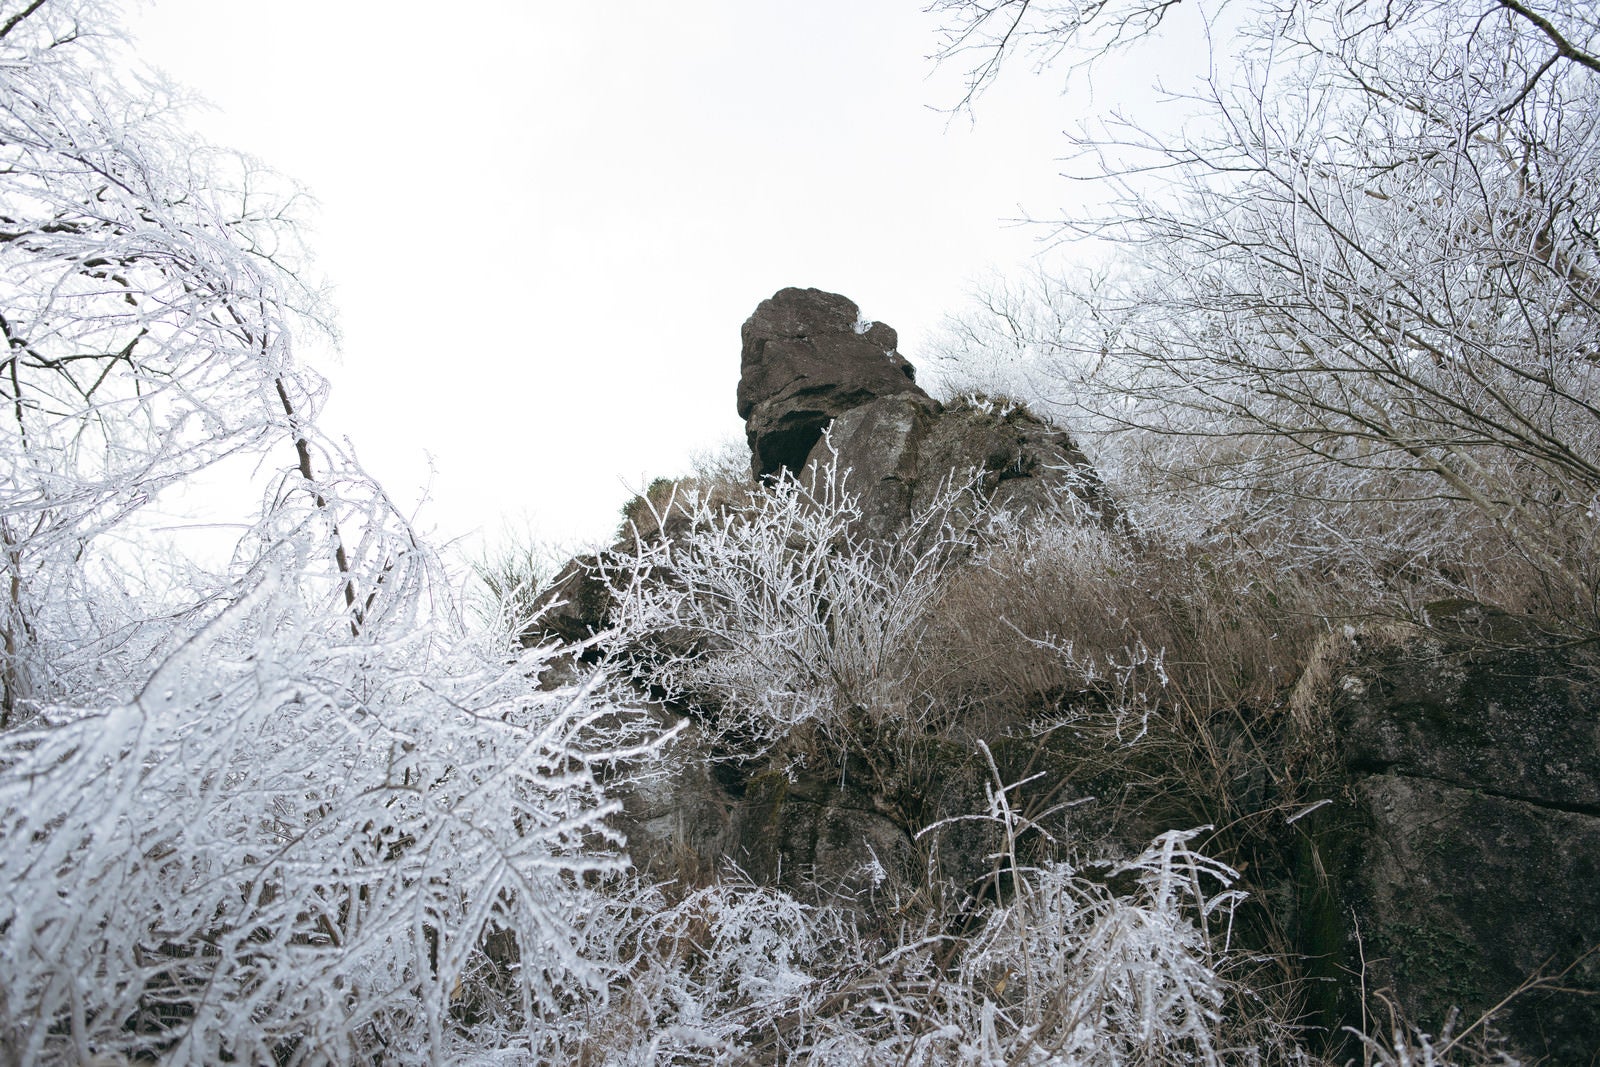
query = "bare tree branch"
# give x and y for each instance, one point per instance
(1564, 47)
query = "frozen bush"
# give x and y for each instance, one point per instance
(300, 843)
(777, 619)
(1064, 973)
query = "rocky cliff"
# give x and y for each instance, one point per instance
(1418, 816)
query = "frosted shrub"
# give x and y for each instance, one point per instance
(1064, 973)
(1078, 975)
(290, 811)
(297, 842)
(777, 617)
(150, 285)
(721, 970)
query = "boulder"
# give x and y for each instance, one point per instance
(835, 834)
(808, 357)
(677, 818)
(1465, 896)
(822, 839)
(898, 453)
(876, 451)
(1478, 704)
(1464, 859)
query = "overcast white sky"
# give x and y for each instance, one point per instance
(545, 222)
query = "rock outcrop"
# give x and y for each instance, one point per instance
(1464, 860)
(808, 357)
(898, 453)
(1445, 779)
(811, 366)
(819, 386)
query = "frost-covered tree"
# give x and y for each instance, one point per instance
(149, 298)
(290, 812)
(1362, 272)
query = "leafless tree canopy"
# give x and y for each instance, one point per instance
(1366, 272)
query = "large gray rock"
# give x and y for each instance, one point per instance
(1460, 707)
(840, 834)
(818, 837)
(1465, 858)
(898, 453)
(1465, 895)
(807, 358)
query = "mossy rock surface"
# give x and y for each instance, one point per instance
(1468, 841)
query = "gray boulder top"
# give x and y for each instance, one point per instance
(807, 358)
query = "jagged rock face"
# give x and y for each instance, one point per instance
(1470, 854)
(807, 359)
(573, 607)
(897, 453)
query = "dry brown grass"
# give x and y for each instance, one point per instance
(1061, 611)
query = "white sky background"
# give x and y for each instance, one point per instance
(545, 222)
